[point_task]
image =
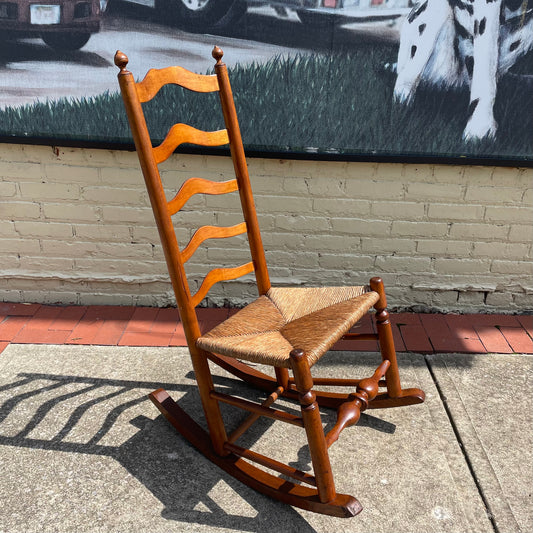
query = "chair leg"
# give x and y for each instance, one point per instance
(396, 396)
(386, 340)
(215, 423)
(313, 427)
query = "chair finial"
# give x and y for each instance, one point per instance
(121, 60)
(217, 54)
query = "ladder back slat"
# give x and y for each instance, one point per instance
(220, 274)
(183, 133)
(210, 232)
(156, 78)
(199, 186)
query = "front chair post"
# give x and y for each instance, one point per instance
(313, 426)
(386, 340)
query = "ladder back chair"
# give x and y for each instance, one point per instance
(288, 329)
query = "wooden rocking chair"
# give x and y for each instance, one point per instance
(286, 328)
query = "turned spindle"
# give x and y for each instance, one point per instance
(349, 412)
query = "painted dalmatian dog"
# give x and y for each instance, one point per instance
(453, 43)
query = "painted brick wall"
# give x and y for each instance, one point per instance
(76, 227)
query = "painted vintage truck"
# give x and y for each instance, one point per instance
(62, 24)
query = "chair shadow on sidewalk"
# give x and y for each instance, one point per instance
(111, 418)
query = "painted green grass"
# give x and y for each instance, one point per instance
(321, 103)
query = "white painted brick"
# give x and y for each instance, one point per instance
(287, 204)
(353, 263)
(461, 266)
(419, 229)
(363, 228)
(431, 191)
(131, 251)
(453, 174)
(455, 212)
(479, 174)
(69, 213)
(270, 185)
(300, 259)
(283, 167)
(191, 219)
(509, 214)
(444, 247)
(332, 171)
(331, 243)
(44, 229)
(117, 176)
(7, 229)
(398, 210)
(122, 215)
(500, 300)
(69, 249)
(338, 206)
(493, 195)
(144, 233)
(33, 263)
(110, 196)
(20, 210)
(391, 263)
(527, 198)
(8, 261)
(502, 250)
(12, 152)
(471, 298)
(20, 171)
(524, 302)
(104, 233)
(519, 233)
(301, 223)
(388, 190)
(49, 191)
(391, 245)
(512, 267)
(8, 189)
(506, 175)
(20, 246)
(355, 170)
(423, 173)
(284, 241)
(70, 174)
(325, 187)
(390, 171)
(127, 267)
(229, 202)
(292, 187)
(463, 231)
(230, 257)
(7, 295)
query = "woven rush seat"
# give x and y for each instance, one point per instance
(311, 319)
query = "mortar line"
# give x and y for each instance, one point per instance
(486, 504)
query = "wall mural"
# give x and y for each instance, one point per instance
(436, 79)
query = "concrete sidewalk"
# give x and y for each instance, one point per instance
(83, 450)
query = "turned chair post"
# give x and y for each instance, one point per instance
(313, 426)
(241, 173)
(386, 340)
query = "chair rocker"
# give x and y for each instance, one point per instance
(288, 329)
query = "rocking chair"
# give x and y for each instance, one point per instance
(285, 328)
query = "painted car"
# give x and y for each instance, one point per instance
(204, 15)
(62, 24)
